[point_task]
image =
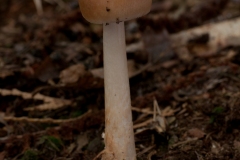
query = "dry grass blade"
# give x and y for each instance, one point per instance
(158, 121)
(159, 118)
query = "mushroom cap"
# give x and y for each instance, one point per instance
(107, 11)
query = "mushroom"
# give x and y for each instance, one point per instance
(38, 4)
(119, 136)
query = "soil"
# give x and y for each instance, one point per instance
(185, 98)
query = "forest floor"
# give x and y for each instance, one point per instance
(184, 69)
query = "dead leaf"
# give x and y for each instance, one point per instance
(46, 70)
(186, 148)
(2, 155)
(215, 148)
(82, 140)
(236, 145)
(158, 53)
(5, 73)
(195, 132)
(72, 74)
(184, 54)
(169, 64)
(229, 55)
(97, 72)
(203, 50)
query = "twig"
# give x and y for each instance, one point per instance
(183, 142)
(151, 154)
(44, 120)
(49, 102)
(143, 124)
(145, 150)
(145, 110)
(99, 154)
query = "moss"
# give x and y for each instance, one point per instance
(30, 154)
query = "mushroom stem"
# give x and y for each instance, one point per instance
(119, 136)
(38, 5)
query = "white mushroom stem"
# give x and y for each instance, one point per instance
(119, 136)
(38, 5)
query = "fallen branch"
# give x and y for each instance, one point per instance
(220, 34)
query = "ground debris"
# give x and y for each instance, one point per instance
(184, 81)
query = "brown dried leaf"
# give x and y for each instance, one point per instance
(158, 53)
(2, 154)
(215, 148)
(236, 145)
(46, 70)
(72, 74)
(5, 73)
(82, 140)
(97, 72)
(195, 132)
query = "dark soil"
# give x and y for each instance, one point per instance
(53, 60)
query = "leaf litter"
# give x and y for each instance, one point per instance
(184, 75)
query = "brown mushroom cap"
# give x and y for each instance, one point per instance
(106, 11)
